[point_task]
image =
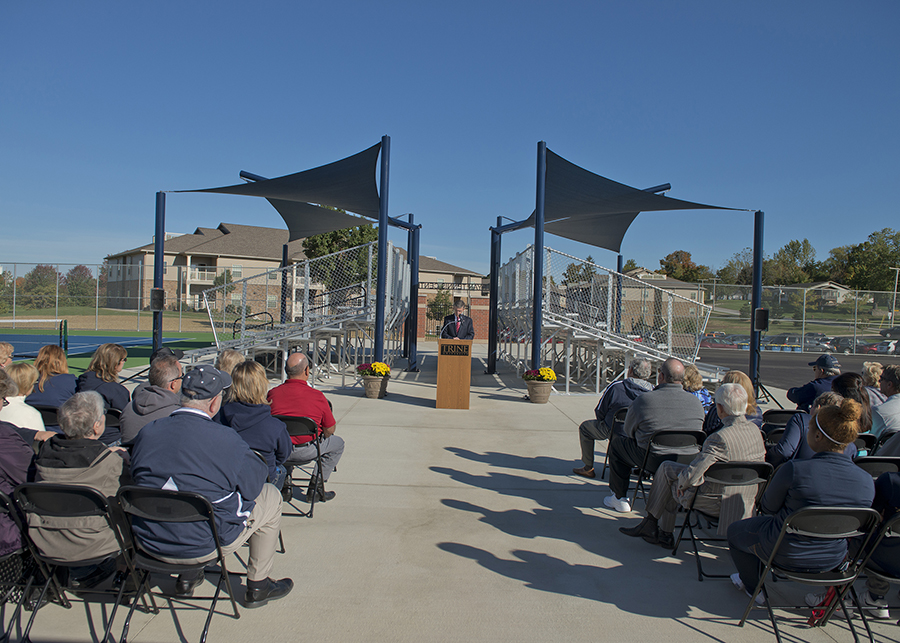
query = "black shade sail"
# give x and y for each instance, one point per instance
(348, 184)
(589, 208)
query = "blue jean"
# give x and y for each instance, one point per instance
(332, 449)
(743, 543)
(280, 475)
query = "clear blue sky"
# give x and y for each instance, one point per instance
(788, 107)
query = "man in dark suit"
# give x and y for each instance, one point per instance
(458, 326)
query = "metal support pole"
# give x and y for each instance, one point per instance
(538, 257)
(756, 295)
(158, 263)
(381, 281)
(894, 301)
(284, 283)
(494, 300)
(620, 265)
(413, 358)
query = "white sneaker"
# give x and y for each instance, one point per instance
(813, 599)
(739, 584)
(617, 504)
(877, 607)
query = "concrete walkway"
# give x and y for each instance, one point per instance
(469, 526)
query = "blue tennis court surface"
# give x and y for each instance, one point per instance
(27, 346)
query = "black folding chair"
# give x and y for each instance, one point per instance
(72, 502)
(779, 417)
(618, 421)
(680, 445)
(49, 414)
(727, 474)
(22, 583)
(113, 417)
(882, 440)
(163, 506)
(826, 523)
(866, 442)
(304, 426)
(875, 465)
(890, 528)
(773, 437)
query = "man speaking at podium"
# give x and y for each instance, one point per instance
(458, 326)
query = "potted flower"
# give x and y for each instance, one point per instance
(375, 377)
(539, 382)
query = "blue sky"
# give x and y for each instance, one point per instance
(786, 107)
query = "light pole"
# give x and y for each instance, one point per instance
(894, 302)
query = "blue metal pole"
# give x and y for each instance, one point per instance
(756, 296)
(284, 283)
(413, 357)
(381, 280)
(620, 265)
(494, 300)
(159, 259)
(538, 296)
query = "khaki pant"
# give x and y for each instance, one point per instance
(662, 503)
(263, 527)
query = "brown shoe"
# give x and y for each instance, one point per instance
(585, 472)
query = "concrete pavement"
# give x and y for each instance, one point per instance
(469, 526)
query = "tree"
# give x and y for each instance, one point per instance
(631, 264)
(737, 270)
(81, 287)
(347, 272)
(580, 273)
(327, 243)
(793, 263)
(679, 265)
(39, 287)
(6, 291)
(225, 279)
(440, 306)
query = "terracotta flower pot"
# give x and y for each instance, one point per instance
(375, 386)
(539, 392)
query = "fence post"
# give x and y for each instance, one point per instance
(179, 297)
(15, 278)
(97, 300)
(306, 290)
(56, 315)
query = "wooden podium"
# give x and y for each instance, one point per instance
(454, 373)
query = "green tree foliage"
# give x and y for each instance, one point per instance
(39, 287)
(6, 291)
(440, 306)
(324, 244)
(580, 273)
(81, 287)
(793, 264)
(631, 264)
(679, 265)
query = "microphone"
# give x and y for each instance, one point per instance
(447, 325)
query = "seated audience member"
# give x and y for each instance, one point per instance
(103, 376)
(886, 416)
(228, 359)
(8, 389)
(693, 384)
(676, 484)
(793, 444)
(712, 422)
(6, 354)
(248, 413)
(871, 373)
(79, 458)
(15, 459)
(825, 369)
(617, 395)
(155, 400)
(55, 383)
(668, 406)
(297, 398)
(17, 412)
(850, 386)
(187, 451)
(886, 557)
(828, 479)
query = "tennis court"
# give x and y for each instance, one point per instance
(27, 346)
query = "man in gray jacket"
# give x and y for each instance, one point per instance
(668, 406)
(157, 400)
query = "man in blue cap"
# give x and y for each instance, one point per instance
(187, 451)
(825, 369)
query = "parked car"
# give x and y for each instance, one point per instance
(846, 345)
(890, 332)
(716, 342)
(888, 347)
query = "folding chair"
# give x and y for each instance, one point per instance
(889, 529)
(866, 442)
(779, 417)
(727, 474)
(49, 414)
(72, 502)
(680, 445)
(826, 523)
(875, 465)
(23, 583)
(773, 437)
(618, 420)
(163, 506)
(304, 426)
(882, 440)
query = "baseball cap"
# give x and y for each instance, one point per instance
(826, 361)
(165, 351)
(204, 382)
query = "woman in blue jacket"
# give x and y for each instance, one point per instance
(248, 413)
(103, 376)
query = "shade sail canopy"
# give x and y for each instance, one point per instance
(348, 184)
(586, 207)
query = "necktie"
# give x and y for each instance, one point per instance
(457, 325)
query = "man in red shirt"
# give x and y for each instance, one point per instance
(298, 399)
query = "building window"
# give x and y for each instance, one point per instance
(273, 275)
(237, 272)
(271, 301)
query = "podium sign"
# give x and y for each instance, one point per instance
(454, 373)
